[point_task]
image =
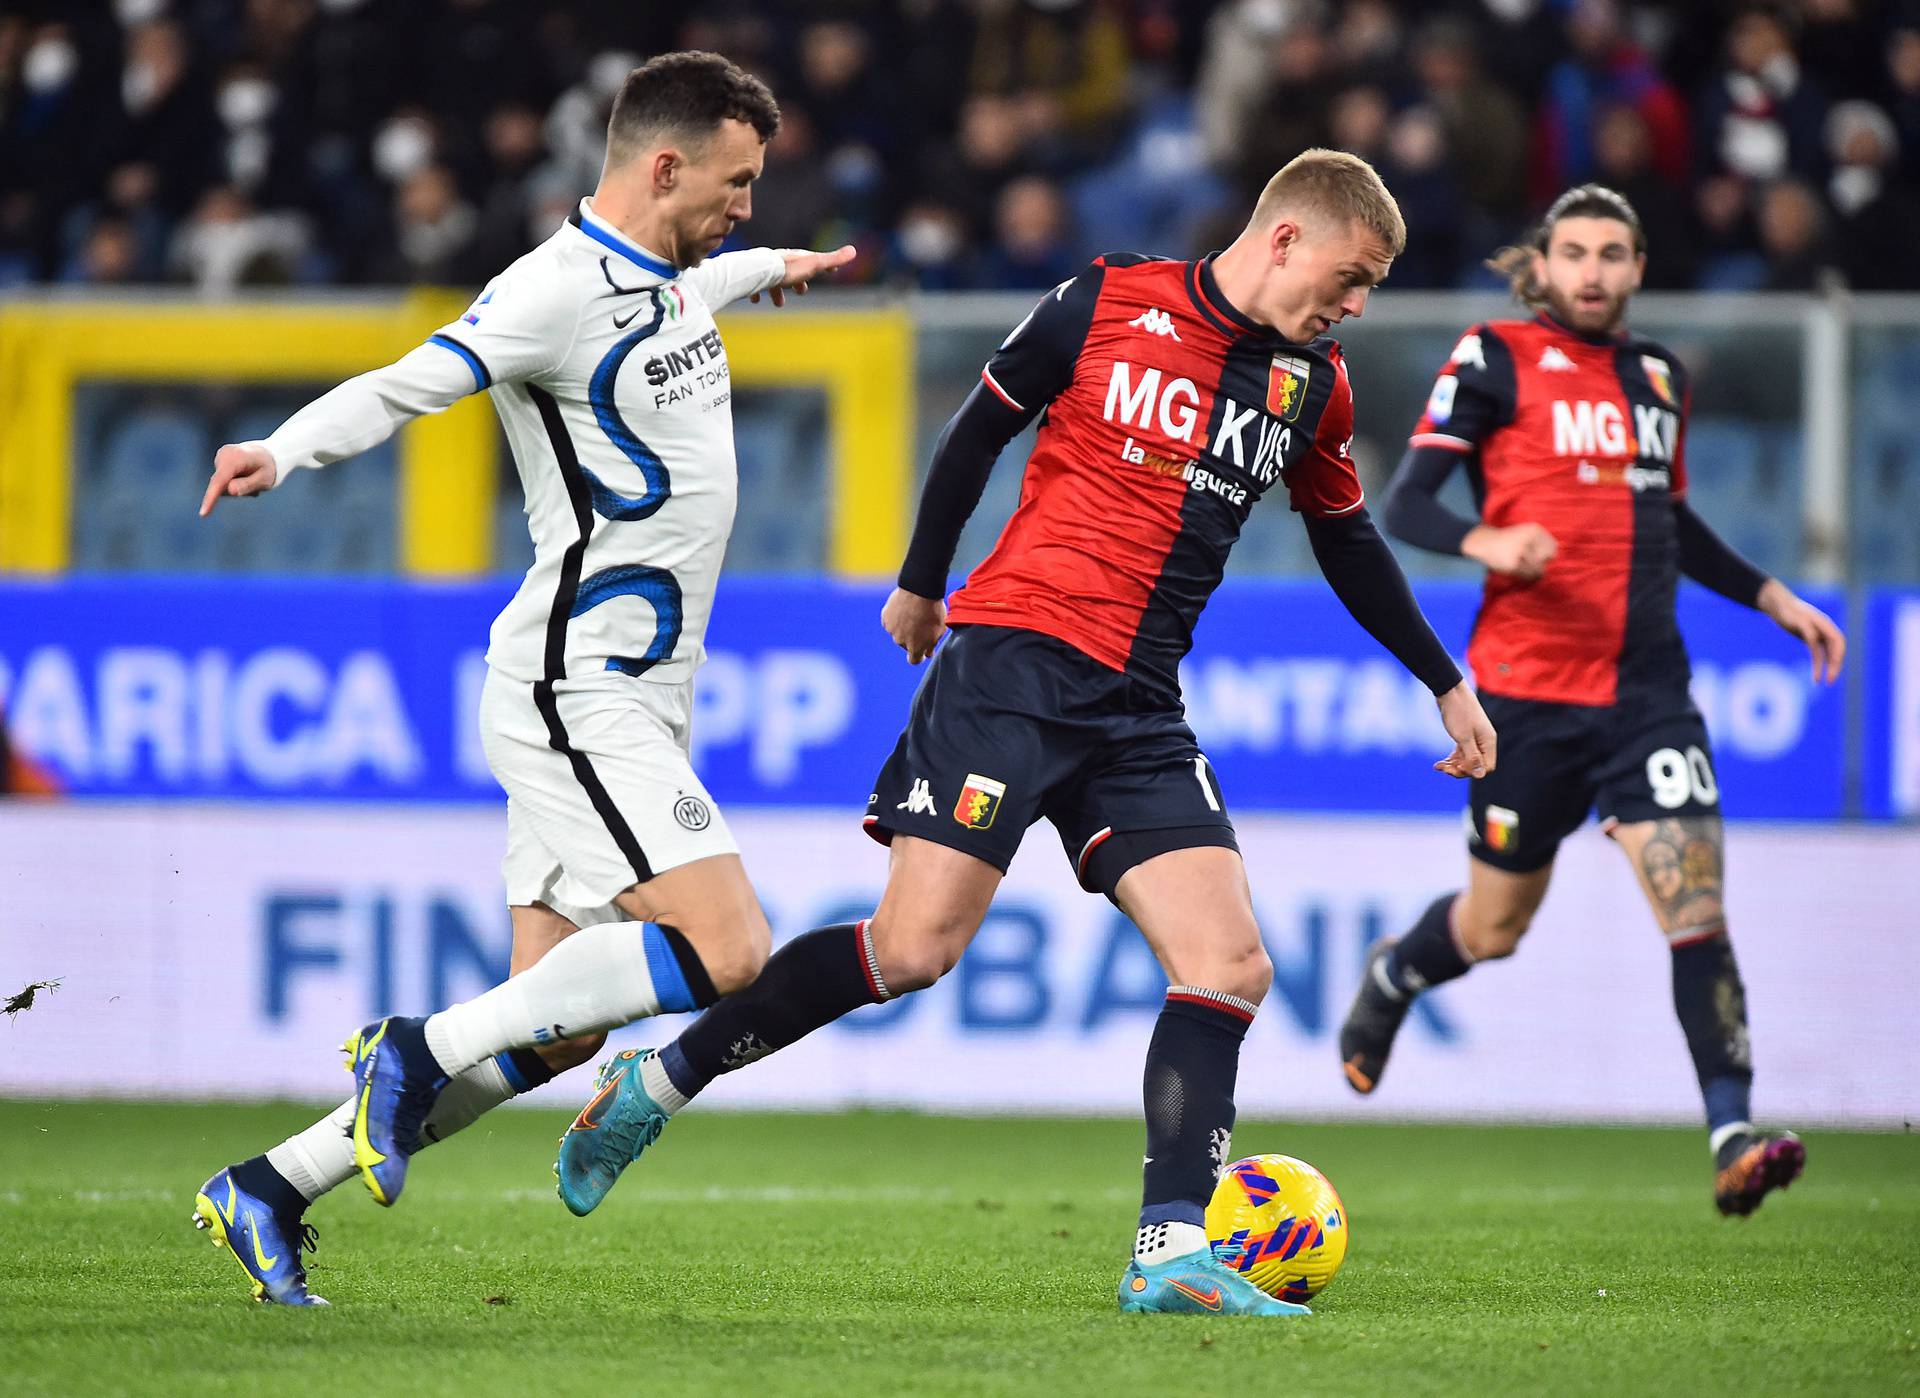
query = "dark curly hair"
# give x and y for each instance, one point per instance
(684, 97)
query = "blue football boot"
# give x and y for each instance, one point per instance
(266, 1246)
(397, 1081)
(619, 1121)
(1197, 1284)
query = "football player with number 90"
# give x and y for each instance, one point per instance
(1572, 432)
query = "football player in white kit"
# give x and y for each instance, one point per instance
(627, 893)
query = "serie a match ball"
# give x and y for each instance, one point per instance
(1286, 1220)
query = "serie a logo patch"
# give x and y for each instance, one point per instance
(979, 801)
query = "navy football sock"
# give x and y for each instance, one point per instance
(810, 982)
(258, 1177)
(1712, 1006)
(1427, 955)
(1192, 1064)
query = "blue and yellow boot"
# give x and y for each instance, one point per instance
(1198, 1283)
(619, 1122)
(396, 1081)
(266, 1246)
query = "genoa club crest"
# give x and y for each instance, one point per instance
(1661, 377)
(1287, 386)
(979, 801)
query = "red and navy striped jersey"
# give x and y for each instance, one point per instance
(1168, 414)
(1587, 438)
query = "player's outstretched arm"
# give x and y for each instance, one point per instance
(802, 267)
(345, 421)
(1825, 642)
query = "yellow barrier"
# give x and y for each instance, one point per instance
(448, 464)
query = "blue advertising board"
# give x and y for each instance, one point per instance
(328, 690)
(1890, 767)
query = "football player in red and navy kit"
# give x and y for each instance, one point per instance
(1573, 432)
(1172, 397)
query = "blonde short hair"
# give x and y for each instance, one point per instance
(1339, 186)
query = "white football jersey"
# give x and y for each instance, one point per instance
(608, 373)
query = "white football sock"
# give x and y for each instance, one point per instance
(320, 1157)
(596, 979)
(653, 1077)
(1726, 1133)
(465, 1100)
(1162, 1242)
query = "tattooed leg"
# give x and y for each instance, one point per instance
(1678, 862)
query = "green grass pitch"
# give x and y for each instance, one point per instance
(882, 1253)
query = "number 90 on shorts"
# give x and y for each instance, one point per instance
(1678, 778)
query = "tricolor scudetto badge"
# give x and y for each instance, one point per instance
(979, 801)
(1287, 386)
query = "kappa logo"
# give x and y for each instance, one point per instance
(1554, 360)
(1155, 321)
(979, 801)
(1469, 351)
(919, 799)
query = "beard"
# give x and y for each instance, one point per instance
(1593, 321)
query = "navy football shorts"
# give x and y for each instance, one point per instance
(1010, 725)
(1644, 758)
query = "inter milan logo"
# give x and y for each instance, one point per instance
(979, 801)
(692, 813)
(1660, 376)
(1287, 386)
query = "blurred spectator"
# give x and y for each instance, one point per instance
(1727, 242)
(1033, 244)
(435, 232)
(792, 204)
(929, 248)
(225, 243)
(1073, 54)
(109, 254)
(1879, 220)
(1903, 80)
(1294, 112)
(514, 149)
(1839, 47)
(1792, 226)
(1623, 156)
(1604, 68)
(1233, 73)
(1367, 38)
(1416, 171)
(1359, 120)
(1486, 128)
(988, 151)
(170, 122)
(1759, 117)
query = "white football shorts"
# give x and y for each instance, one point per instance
(601, 791)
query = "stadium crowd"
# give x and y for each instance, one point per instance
(958, 143)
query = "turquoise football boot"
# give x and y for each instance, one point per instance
(396, 1081)
(266, 1246)
(619, 1122)
(1199, 1283)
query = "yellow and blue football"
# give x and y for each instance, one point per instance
(1286, 1221)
